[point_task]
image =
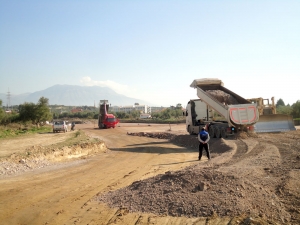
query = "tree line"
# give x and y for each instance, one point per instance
(40, 112)
(293, 109)
(28, 112)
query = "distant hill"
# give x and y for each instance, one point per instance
(73, 95)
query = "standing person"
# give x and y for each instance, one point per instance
(203, 138)
(73, 126)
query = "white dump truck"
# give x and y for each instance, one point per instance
(235, 112)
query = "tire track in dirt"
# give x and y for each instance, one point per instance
(67, 197)
(241, 150)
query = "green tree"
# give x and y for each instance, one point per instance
(296, 109)
(165, 114)
(26, 112)
(284, 110)
(155, 115)
(121, 115)
(36, 113)
(177, 113)
(280, 102)
(134, 114)
(90, 115)
(2, 113)
(42, 111)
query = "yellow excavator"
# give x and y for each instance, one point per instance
(269, 120)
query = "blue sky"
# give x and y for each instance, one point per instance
(152, 50)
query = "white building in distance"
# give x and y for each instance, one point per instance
(141, 108)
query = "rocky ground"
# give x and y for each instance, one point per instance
(251, 178)
(261, 181)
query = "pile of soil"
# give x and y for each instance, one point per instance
(189, 141)
(258, 181)
(197, 192)
(223, 97)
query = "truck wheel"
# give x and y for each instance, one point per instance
(217, 132)
(223, 132)
(211, 131)
(190, 130)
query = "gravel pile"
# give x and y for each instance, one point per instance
(223, 97)
(9, 168)
(196, 192)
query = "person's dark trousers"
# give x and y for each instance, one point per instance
(205, 146)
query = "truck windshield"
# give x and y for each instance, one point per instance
(111, 119)
(58, 123)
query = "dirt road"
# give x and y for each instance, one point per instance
(67, 193)
(61, 194)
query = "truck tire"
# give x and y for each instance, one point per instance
(217, 132)
(223, 132)
(190, 130)
(211, 131)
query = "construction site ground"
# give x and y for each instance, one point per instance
(150, 174)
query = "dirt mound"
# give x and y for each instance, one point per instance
(218, 145)
(223, 97)
(197, 192)
(38, 156)
(159, 135)
(221, 188)
(189, 141)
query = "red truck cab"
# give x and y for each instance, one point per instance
(106, 120)
(110, 121)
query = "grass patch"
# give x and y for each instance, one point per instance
(77, 138)
(13, 130)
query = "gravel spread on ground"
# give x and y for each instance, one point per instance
(257, 181)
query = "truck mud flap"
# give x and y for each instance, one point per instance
(274, 123)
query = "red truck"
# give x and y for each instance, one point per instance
(106, 120)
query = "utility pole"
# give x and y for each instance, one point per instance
(8, 101)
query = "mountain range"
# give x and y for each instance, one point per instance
(73, 95)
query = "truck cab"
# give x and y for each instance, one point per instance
(106, 120)
(110, 121)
